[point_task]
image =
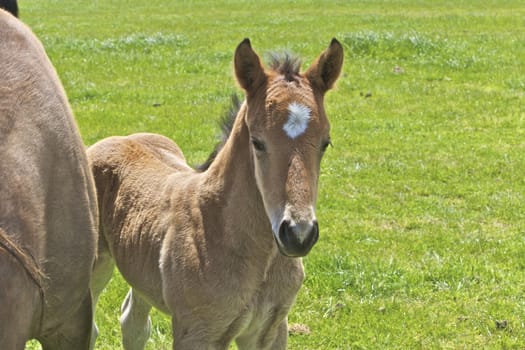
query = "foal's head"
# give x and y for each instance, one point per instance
(289, 133)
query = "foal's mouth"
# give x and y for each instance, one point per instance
(295, 240)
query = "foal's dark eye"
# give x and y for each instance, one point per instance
(258, 145)
(325, 145)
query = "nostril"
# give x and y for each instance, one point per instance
(315, 232)
(284, 231)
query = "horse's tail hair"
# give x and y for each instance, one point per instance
(25, 259)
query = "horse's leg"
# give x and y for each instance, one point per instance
(185, 339)
(13, 339)
(102, 272)
(19, 300)
(135, 321)
(74, 332)
(246, 342)
(281, 339)
(265, 339)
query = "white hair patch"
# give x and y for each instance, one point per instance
(297, 120)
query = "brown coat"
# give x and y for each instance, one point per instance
(48, 212)
(218, 250)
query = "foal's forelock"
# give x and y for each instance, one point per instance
(285, 64)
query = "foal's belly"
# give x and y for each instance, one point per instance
(137, 259)
(147, 283)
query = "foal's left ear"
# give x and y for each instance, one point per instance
(248, 68)
(324, 72)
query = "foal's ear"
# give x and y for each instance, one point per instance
(324, 72)
(248, 68)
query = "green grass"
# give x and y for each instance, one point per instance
(421, 198)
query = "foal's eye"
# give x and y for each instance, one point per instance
(258, 145)
(325, 145)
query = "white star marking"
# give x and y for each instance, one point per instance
(297, 120)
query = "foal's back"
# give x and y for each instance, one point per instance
(48, 212)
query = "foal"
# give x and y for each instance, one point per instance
(218, 250)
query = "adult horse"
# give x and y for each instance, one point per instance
(48, 211)
(219, 250)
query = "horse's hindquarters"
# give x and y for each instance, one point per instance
(48, 204)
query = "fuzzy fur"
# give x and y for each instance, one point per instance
(199, 246)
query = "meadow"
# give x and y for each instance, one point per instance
(422, 230)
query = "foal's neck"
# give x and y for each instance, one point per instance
(231, 177)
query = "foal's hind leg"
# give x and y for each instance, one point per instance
(135, 321)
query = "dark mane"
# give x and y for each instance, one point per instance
(226, 125)
(10, 6)
(286, 64)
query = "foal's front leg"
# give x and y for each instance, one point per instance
(197, 338)
(135, 322)
(281, 339)
(274, 338)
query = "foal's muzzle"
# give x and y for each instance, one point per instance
(296, 240)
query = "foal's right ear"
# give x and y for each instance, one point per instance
(248, 68)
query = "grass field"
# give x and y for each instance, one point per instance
(421, 198)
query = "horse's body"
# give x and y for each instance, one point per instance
(48, 212)
(217, 250)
